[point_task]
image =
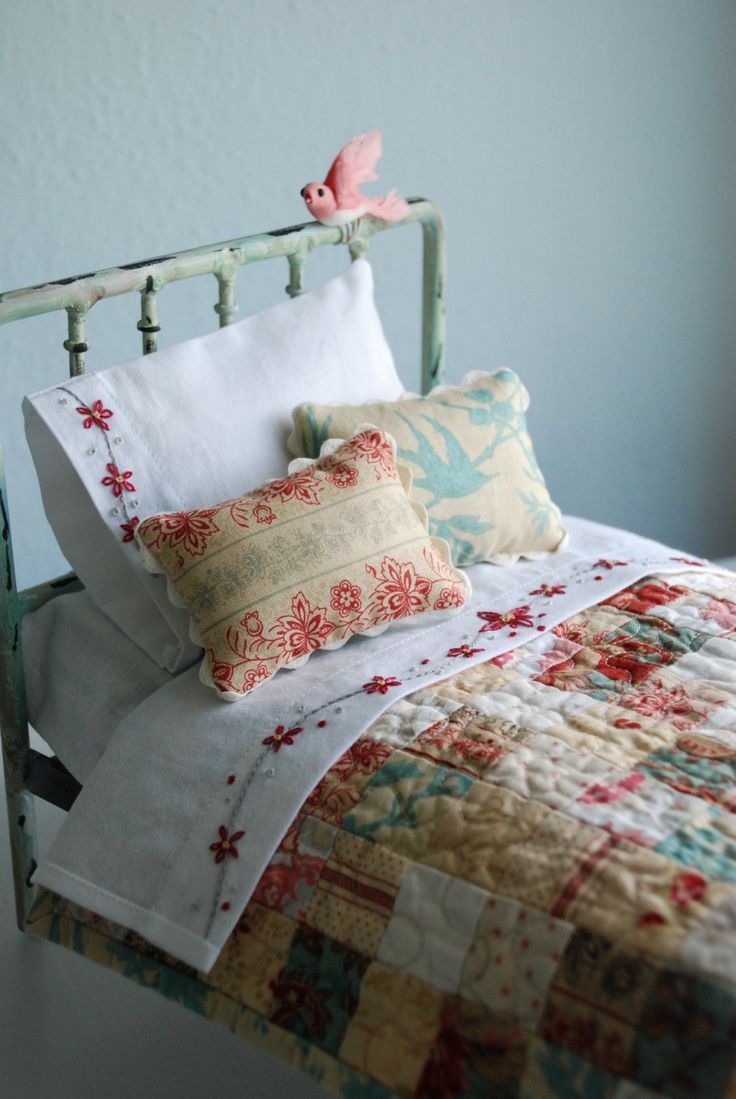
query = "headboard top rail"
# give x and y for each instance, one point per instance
(81, 292)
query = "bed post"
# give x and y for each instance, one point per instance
(433, 296)
(14, 723)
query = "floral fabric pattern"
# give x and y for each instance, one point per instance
(469, 450)
(302, 563)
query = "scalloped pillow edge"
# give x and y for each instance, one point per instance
(295, 466)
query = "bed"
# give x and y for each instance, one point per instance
(491, 855)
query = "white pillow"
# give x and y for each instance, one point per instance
(205, 420)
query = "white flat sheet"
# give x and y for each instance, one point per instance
(186, 771)
(83, 676)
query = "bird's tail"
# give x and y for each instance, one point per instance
(390, 207)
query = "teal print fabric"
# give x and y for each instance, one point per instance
(471, 458)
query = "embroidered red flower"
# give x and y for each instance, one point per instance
(225, 846)
(603, 563)
(97, 414)
(463, 650)
(519, 616)
(401, 592)
(118, 481)
(263, 513)
(686, 887)
(304, 630)
(341, 475)
(548, 590)
(281, 736)
(128, 529)
(376, 449)
(345, 598)
(381, 684)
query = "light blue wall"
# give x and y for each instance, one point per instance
(582, 151)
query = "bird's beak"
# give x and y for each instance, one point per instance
(302, 192)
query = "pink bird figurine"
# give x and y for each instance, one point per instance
(339, 201)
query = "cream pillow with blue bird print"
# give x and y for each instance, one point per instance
(472, 461)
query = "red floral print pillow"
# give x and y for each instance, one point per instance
(334, 549)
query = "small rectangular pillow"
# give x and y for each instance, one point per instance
(334, 549)
(203, 420)
(471, 458)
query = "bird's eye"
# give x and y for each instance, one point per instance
(320, 191)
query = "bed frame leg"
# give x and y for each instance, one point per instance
(14, 724)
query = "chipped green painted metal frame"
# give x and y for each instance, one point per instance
(26, 772)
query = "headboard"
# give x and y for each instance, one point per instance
(28, 773)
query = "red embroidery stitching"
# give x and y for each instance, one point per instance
(96, 415)
(381, 684)
(282, 736)
(128, 529)
(464, 650)
(118, 481)
(225, 846)
(549, 590)
(519, 616)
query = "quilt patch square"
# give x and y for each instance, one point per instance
(289, 880)
(406, 803)
(343, 785)
(465, 742)
(253, 958)
(706, 841)
(390, 1042)
(512, 959)
(552, 1072)
(646, 595)
(597, 997)
(355, 894)
(685, 1044)
(611, 733)
(475, 1055)
(531, 853)
(579, 1027)
(472, 683)
(432, 926)
(318, 989)
(687, 769)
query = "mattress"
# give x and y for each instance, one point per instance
(83, 676)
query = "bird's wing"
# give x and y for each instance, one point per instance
(353, 165)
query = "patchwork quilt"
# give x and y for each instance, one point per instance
(519, 882)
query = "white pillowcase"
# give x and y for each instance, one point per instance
(206, 419)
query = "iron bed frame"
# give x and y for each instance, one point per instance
(28, 773)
